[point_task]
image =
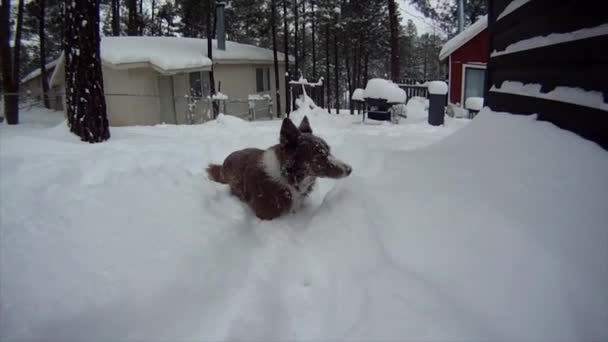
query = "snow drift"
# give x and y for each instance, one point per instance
(496, 232)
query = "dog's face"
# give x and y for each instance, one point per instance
(310, 153)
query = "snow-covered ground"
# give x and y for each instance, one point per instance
(491, 230)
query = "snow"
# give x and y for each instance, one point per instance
(35, 73)
(417, 108)
(511, 7)
(463, 37)
(474, 103)
(379, 88)
(578, 96)
(174, 53)
(219, 96)
(437, 87)
(495, 230)
(358, 95)
(553, 39)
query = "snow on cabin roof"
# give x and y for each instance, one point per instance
(463, 37)
(36, 72)
(177, 53)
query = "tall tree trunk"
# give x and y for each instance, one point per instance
(349, 81)
(11, 101)
(42, 39)
(303, 54)
(365, 69)
(116, 18)
(327, 78)
(153, 25)
(314, 52)
(210, 55)
(140, 18)
(394, 27)
(336, 73)
(86, 105)
(275, 56)
(132, 21)
(296, 46)
(286, 52)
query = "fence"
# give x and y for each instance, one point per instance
(142, 109)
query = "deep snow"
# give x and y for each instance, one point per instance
(496, 231)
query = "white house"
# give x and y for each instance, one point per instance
(147, 79)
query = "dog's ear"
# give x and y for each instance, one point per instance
(305, 126)
(289, 132)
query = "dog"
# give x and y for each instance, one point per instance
(276, 180)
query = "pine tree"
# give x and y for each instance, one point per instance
(408, 50)
(445, 12)
(86, 106)
(116, 18)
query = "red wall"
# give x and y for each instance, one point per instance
(474, 51)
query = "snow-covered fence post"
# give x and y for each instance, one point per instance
(438, 91)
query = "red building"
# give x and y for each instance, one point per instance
(467, 55)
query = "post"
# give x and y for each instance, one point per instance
(438, 91)
(221, 31)
(460, 15)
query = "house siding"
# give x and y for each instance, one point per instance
(475, 51)
(579, 63)
(132, 96)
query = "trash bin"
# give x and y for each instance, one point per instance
(438, 91)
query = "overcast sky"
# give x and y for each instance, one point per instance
(424, 25)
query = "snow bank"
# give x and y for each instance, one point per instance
(417, 108)
(578, 96)
(495, 232)
(437, 87)
(378, 88)
(474, 103)
(463, 37)
(358, 95)
(553, 39)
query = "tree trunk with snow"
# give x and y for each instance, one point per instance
(275, 56)
(43, 73)
(337, 73)
(286, 52)
(10, 60)
(86, 105)
(394, 40)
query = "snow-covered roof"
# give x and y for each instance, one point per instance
(36, 72)
(463, 37)
(167, 54)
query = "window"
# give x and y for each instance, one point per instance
(474, 81)
(196, 87)
(262, 79)
(199, 83)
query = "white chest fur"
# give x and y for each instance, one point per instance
(272, 167)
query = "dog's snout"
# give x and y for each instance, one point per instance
(349, 170)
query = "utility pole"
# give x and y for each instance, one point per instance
(460, 15)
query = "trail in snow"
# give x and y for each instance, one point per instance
(495, 231)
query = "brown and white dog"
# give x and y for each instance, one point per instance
(276, 180)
